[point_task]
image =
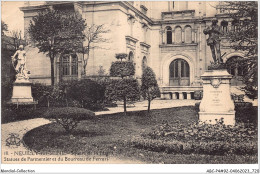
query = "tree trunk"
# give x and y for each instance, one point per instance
(149, 106)
(125, 105)
(52, 69)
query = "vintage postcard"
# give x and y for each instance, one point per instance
(130, 82)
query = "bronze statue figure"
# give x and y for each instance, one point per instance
(214, 32)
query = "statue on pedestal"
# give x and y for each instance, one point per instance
(20, 68)
(22, 92)
(216, 106)
(214, 32)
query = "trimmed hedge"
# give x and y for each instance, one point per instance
(122, 69)
(84, 93)
(69, 112)
(89, 93)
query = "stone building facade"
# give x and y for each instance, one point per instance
(166, 36)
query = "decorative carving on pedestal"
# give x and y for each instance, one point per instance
(215, 82)
(216, 102)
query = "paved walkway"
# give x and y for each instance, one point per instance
(155, 104)
(19, 128)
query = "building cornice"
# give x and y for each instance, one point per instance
(127, 6)
(131, 39)
(177, 45)
(145, 44)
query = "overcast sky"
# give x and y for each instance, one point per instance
(12, 16)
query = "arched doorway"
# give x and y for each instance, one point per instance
(236, 67)
(179, 73)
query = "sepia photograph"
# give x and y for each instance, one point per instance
(130, 82)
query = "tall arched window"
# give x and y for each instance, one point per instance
(188, 34)
(235, 25)
(144, 63)
(169, 35)
(178, 34)
(131, 56)
(69, 64)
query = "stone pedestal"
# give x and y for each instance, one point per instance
(216, 102)
(22, 92)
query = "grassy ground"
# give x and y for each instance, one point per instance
(109, 134)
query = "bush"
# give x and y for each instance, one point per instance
(198, 95)
(122, 69)
(42, 93)
(84, 93)
(6, 91)
(55, 96)
(197, 106)
(68, 117)
(89, 93)
(245, 112)
(200, 138)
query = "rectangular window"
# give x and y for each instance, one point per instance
(172, 4)
(74, 65)
(66, 65)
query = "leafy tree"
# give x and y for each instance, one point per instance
(15, 40)
(149, 88)
(4, 28)
(244, 38)
(93, 34)
(55, 32)
(126, 88)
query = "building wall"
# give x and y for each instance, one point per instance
(141, 28)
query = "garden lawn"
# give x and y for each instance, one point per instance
(111, 134)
